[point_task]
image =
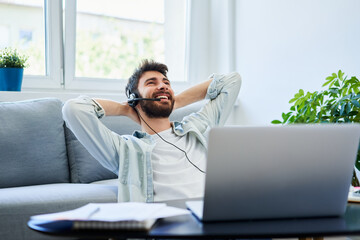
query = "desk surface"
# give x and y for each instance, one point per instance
(189, 227)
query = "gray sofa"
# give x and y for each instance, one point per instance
(45, 169)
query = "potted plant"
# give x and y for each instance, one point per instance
(12, 66)
(338, 103)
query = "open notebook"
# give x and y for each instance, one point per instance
(119, 216)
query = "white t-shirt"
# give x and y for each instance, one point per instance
(174, 176)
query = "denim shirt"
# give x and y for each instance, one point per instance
(129, 156)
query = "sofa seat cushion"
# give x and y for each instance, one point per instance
(109, 182)
(18, 204)
(32, 143)
(53, 197)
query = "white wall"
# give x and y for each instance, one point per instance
(280, 46)
(285, 45)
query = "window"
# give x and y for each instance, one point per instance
(113, 38)
(110, 38)
(22, 27)
(93, 45)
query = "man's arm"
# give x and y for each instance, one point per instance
(222, 92)
(82, 118)
(113, 108)
(191, 95)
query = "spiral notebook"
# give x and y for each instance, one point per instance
(128, 216)
(117, 225)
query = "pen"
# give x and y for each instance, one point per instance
(93, 212)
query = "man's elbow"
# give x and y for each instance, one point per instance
(68, 109)
(235, 80)
(236, 76)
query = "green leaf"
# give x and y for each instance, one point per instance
(326, 83)
(342, 108)
(330, 78)
(355, 103)
(331, 84)
(357, 118)
(350, 81)
(346, 97)
(353, 78)
(340, 75)
(334, 90)
(336, 83)
(276, 122)
(348, 108)
(293, 100)
(299, 102)
(355, 88)
(353, 113)
(291, 120)
(357, 96)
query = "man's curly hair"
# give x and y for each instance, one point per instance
(145, 66)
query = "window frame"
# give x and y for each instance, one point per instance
(52, 79)
(99, 84)
(60, 44)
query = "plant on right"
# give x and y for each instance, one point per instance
(337, 103)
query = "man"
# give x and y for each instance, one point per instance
(166, 160)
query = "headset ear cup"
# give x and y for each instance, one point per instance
(131, 101)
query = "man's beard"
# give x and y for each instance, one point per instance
(152, 109)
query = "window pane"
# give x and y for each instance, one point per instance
(112, 36)
(22, 27)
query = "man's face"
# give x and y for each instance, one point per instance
(153, 84)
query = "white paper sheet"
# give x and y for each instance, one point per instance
(129, 211)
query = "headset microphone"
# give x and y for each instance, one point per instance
(148, 99)
(134, 99)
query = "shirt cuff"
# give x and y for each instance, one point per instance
(99, 111)
(213, 91)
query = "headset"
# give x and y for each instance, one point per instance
(133, 100)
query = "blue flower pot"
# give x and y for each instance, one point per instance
(11, 79)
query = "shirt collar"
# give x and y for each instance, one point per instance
(176, 126)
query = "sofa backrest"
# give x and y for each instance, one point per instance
(85, 168)
(36, 147)
(32, 143)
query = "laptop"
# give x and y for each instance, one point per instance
(273, 172)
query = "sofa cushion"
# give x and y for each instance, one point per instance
(32, 143)
(17, 205)
(54, 197)
(85, 168)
